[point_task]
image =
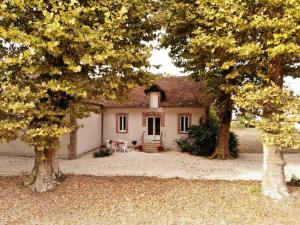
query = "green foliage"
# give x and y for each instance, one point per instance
(230, 43)
(277, 109)
(57, 56)
(232, 36)
(233, 145)
(202, 141)
(237, 124)
(103, 152)
(183, 144)
(295, 181)
(242, 121)
(213, 114)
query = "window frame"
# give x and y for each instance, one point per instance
(184, 122)
(122, 123)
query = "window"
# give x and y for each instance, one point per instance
(184, 122)
(154, 100)
(122, 120)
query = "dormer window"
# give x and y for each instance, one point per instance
(154, 100)
(156, 95)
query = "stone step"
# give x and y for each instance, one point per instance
(151, 145)
(149, 150)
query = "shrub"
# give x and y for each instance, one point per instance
(103, 152)
(202, 141)
(183, 144)
(295, 181)
(233, 145)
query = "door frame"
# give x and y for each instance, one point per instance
(153, 137)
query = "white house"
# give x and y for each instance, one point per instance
(153, 116)
(156, 115)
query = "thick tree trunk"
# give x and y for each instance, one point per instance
(46, 173)
(222, 148)
(225, 116)
(274, 182)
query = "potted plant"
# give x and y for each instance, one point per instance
(141, 148)
(134, 142)
(160, 148)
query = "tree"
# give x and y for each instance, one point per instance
(275, 28)
(197, 34)
(58, 55)
(244, 41)
(277, 128)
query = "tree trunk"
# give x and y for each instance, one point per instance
(225, 116)
(273, 182)
(222, 148)
(45, 173)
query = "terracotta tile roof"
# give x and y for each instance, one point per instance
(179, 91)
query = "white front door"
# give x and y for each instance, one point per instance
(153, 128)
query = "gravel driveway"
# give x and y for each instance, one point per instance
(164, 165)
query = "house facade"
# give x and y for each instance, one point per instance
(160, 114)
(152, 116)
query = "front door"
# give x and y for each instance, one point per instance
(153, 128)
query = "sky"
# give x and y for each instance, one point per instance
(161, 57)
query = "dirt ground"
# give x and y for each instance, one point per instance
(148, 200)
(140, 200)
(250, 141)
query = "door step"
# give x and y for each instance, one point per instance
(151, 146)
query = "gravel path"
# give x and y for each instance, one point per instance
(163, 165)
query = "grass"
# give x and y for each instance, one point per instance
(141, 200)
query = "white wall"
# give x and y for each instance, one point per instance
(20, 148)
(64, 146)
(170, 131)
(135, 128)
(89, 137)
